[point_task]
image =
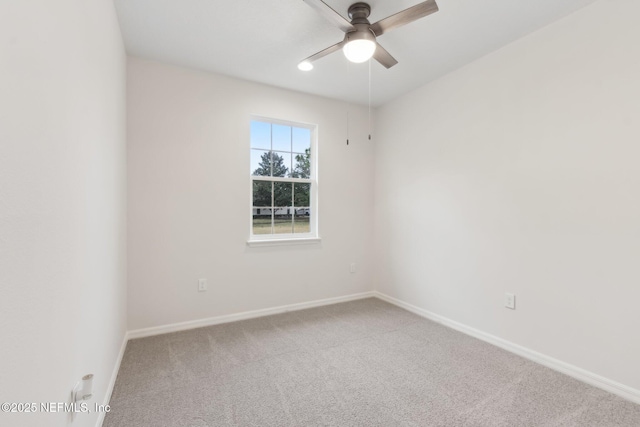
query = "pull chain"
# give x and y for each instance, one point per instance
(348, 69)
(347, 125)
(369, 99)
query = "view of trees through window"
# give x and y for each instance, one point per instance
(282, 181)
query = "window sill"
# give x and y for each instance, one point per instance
(284, 242)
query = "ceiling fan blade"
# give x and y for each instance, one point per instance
(325, 52)
(330, 15)
(382, 56)
(406, 16)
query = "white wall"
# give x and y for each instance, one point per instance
(62, 202)
(189, 201)
(520, 173)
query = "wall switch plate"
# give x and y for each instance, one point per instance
(202, 285)
(510, 301)
(352, 267)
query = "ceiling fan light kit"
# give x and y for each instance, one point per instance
(360, 44)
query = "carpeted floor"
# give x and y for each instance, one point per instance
(363, 363)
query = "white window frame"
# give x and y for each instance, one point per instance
(289, 238)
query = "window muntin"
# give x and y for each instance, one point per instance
(283, 181)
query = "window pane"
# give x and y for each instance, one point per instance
(281, 164)
(262, 194)
(262, 222)
(301, 139)
(301, 194)
(301, 165)
(301, 220)
(282, 193)
(260, 135)
(281, 138)
(260, 163)
(283, 221)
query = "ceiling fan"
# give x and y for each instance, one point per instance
(359, 43)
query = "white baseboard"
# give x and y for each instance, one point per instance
(112, 381)
(555, 364)
(182, 326)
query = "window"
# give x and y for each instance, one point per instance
(283, 180)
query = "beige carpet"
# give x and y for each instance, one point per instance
(363, 363)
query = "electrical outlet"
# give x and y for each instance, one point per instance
(202, 285)
(510, 301)
(352, 267)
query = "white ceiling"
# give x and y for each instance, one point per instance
(263, 40)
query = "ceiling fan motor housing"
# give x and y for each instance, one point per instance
(359, 12)
(362, 32)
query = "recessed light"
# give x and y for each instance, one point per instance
(305, 66)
